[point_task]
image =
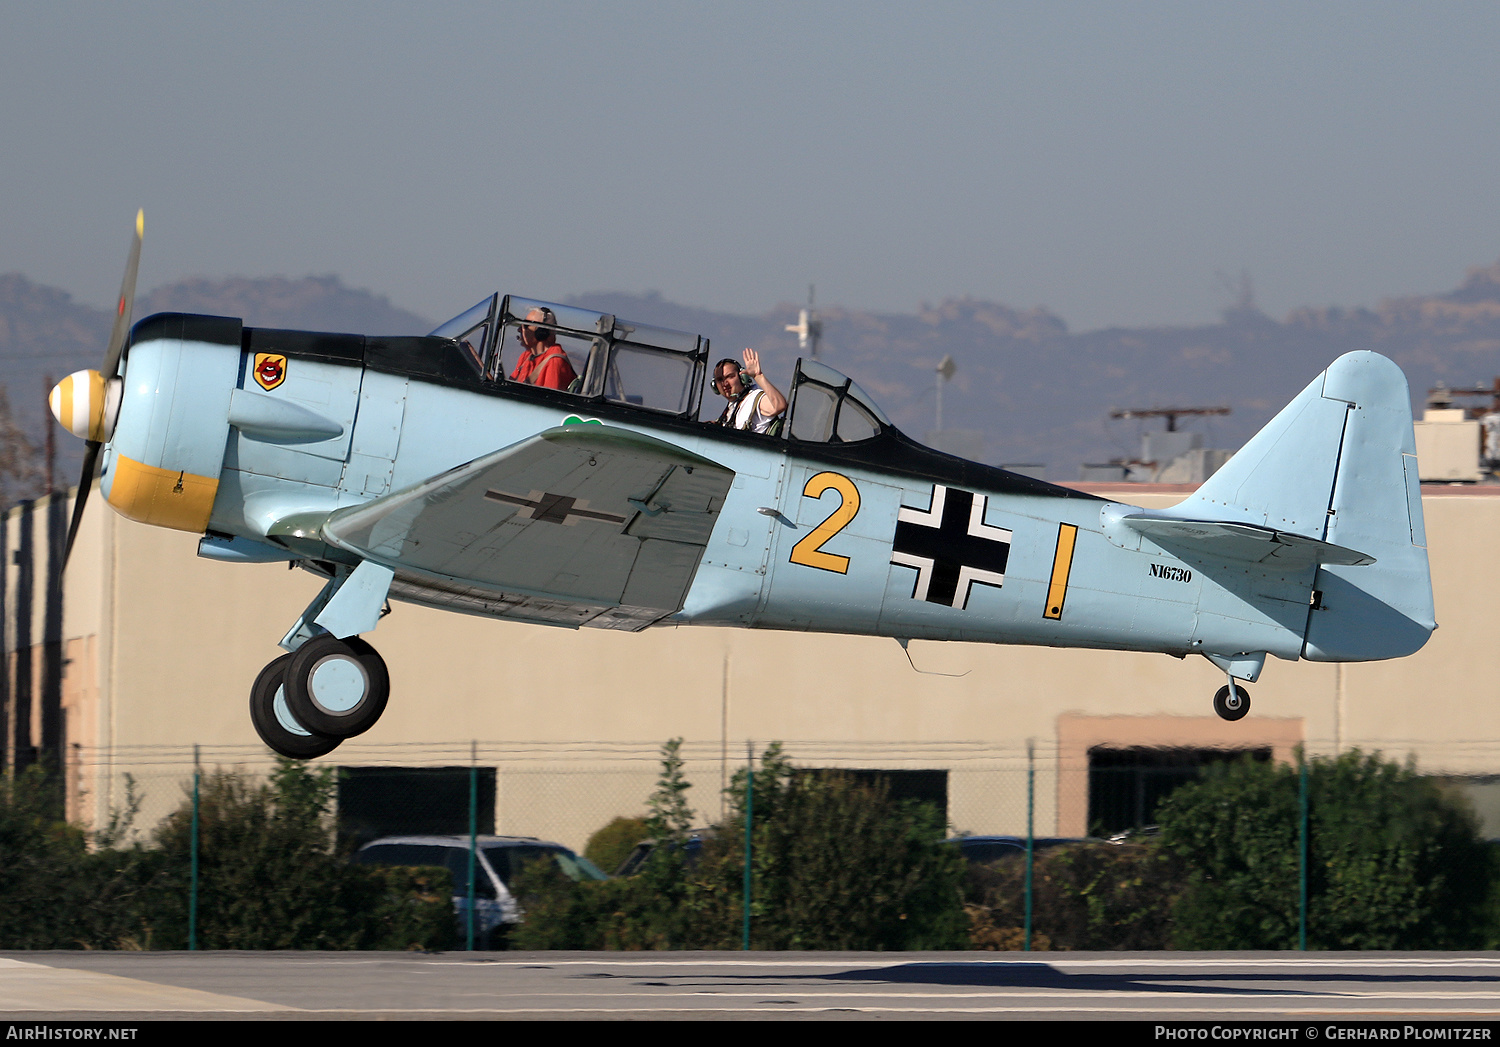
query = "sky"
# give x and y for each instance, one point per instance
(1117, 163)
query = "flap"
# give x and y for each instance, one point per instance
(1243, 541)
(583, 517)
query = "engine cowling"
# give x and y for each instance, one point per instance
(167, 443)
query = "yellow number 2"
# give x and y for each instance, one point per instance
(809, 552)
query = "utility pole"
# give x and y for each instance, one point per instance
(1442, 396)
(51, 440)
(945, 370)
(1158, 450)
(1171, 414)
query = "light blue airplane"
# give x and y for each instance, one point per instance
(412, 469)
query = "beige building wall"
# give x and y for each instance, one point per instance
(163, 646)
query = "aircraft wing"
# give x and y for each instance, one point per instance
(583, 524)
(1242, 541)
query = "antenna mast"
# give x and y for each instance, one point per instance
(808, 327)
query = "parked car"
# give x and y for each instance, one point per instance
(498, 860)
(1140, 834)
(985, 849)
(692, 850)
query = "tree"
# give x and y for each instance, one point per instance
(837, 864)
(21, 472)
(670, 816)
(1393, 862)
(649, 910)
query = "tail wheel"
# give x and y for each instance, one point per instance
(274, 722)
(337, 687)
(1232, 705)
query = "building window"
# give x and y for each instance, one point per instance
(924, 786)
(408, 801)
(1127, 785)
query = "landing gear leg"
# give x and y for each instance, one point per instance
(1232, 702)
(331, 685)
(274, 722)
(351, 603)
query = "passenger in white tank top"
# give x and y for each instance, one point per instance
(751, 408)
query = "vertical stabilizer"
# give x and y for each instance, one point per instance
(1339, 465)
(1283, 478)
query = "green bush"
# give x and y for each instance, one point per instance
(268, 876)
(657, 908)
(56, 893)
(612, 844)
(1394, 863)
(1084, 896)
(42, 856)
(837, 865)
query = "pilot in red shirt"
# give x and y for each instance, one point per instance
(544, 363)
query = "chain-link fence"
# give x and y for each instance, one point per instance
(564, 792)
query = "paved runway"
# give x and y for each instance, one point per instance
(1318, 987)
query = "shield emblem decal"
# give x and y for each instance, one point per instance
(270, 370)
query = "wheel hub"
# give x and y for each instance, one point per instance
(338, 684)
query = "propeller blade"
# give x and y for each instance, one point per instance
(126, 303)
(111, 369)
(85, 485)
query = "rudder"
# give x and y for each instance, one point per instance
(1384, 610)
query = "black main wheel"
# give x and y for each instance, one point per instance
(274, 722)
(1232, 708)
(337, 687)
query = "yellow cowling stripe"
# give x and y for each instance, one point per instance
(162, 497)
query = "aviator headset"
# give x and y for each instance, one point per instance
(746, 381)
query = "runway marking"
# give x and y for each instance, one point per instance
(1266, 1013)
(1268, 995)
(37, 987)
(700, 987)
(1055, 964)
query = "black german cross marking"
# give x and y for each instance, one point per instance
(552, 508)
(951, 547)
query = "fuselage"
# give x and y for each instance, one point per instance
(877, 535)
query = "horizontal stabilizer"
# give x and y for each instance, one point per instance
(1243, 541)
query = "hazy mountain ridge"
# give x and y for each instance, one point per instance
(45, 333)
(313, 303)
(1039, 392)
(46, 324)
